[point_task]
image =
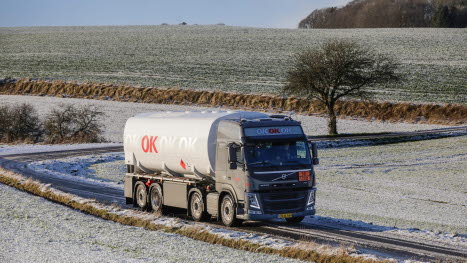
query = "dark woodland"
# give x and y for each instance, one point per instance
(390, 14)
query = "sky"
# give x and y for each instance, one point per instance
(251, 13)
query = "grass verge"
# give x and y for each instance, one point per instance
(449, 114)
(302, 251)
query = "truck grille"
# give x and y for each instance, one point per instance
(283, 202)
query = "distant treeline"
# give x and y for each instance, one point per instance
(390, 13)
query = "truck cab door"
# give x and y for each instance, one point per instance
(227, 176)
(235, 169)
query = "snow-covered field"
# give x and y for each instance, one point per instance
(238, 59)
(416, 184)
(118, 112)
(36, 230)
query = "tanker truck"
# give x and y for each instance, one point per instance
(228, 165)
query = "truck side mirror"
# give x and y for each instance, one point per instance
(233, 156)
(314, 153)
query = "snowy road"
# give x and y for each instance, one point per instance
(365, 239)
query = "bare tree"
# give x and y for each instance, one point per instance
(338, 69)
(58, 123)
(5, 120)
(25, 123)
(70, 123)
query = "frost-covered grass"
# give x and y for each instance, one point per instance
(416, 184)
(105, 169)
(111, 171)
(36, 230)
(118, 112)
(250, 60)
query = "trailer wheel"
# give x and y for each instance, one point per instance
(156, 199)
(197, 207)
(295, 220)
(228, 213)
(141, 195)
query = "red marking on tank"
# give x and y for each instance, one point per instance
(237, 179)
(182, 164)
(145, 144)
(247, 184)
(153, 144)
(148, 183)
(148, 144)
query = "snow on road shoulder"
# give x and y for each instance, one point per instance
(79, 168)
(9, 149)
(430, 237)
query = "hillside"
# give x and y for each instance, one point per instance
(390, 14)
(223, 58)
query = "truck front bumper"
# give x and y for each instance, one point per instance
(261, 217)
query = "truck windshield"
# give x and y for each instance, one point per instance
(277, 153)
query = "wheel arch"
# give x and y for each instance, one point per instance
(223, 193)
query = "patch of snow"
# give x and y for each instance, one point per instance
(431, 237)
(78, 168)
(9, 149)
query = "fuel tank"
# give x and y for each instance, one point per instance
(178, 143)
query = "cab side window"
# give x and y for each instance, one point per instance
(301, 150)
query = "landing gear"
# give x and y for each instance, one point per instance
(228, 213)
(295, 220)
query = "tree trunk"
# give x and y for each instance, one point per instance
(332, 122)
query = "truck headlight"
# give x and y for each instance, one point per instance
(253, 201)
(311, 197)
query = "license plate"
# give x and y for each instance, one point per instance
(285, 215)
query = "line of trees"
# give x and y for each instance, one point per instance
(65, 124)
(390, 13)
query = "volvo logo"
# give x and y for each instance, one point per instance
(283, 176)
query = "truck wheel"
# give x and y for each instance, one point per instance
(141, 195)
(156, 199)
(295, 220)
(197, 207)
(228, 213)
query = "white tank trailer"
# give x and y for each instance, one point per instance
(231, 165)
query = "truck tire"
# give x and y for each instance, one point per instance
(141, 195)
(295, 220)
(197, 207)
(228, 211)
(156, 199)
